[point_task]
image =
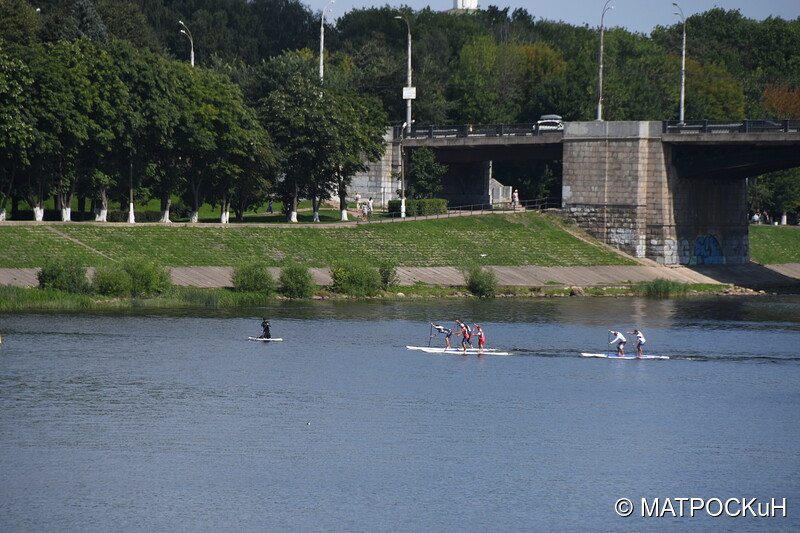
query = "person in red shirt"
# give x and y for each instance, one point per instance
(481, 338)
(464, 333)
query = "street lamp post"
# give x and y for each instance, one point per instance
(409, 93)
(322, 37)
(683, 59)
(408, 90)
(186, 32)
(606, 8)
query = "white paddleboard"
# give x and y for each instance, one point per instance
(470, 351)
(263, 340)
(439, 349)
(614, 356)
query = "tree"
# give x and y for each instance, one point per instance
(425, 174)
(782, 100)
(358, 125)
(60, 102)
(16, 130)
(776, 192)
(292, 112)
(21, 23)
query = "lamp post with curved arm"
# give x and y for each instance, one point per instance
(409, 86)
(683, 59)
(408, 94)
(322, 37)
(187, 33)
(606, 8)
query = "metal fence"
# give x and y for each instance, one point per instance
(473, 130)
(538, 204)
(746, 126)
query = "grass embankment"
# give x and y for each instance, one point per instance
(500, 240)
(771, 245)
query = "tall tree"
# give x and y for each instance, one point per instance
(21, 22)
(16, 129)
(425, 174)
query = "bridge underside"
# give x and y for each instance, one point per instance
(732, 161)
(676, 198)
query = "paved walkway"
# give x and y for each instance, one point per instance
(751, 275)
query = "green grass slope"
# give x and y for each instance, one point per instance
(502, 240)
(774, 244)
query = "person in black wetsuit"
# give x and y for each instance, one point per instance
(265, 334)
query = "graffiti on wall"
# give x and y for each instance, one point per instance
(707, 251)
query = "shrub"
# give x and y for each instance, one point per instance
(356, 279)
(147, 278)
(388, 273)
(430, 206)
(296, 282)
(662, 288)
(253, 277)
(66, 275)
(480, 281)
(112, 280)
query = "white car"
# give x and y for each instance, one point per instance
(550, 123)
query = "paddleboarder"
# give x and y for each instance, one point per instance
(481, 338)
(464, 333)
(265, 334)
(640, 340)
(447, 333)
(620, 339)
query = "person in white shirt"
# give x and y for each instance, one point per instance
(620, 339)
(640, 340)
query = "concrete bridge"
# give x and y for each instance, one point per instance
(674, 193)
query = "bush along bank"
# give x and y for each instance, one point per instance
(141, 283)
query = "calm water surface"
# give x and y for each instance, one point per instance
(173, 421)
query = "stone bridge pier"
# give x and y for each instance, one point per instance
(620, 185)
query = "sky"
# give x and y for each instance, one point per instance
(635, 15)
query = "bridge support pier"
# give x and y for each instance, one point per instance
(620, 185)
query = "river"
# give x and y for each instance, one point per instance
(173, 421)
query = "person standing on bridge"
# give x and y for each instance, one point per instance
(515, 199)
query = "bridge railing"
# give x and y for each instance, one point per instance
(472, 130)
(538, 204)
(746, 126)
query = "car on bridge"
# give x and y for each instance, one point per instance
(550, 123)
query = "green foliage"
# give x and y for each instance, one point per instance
(356, 279)
(147, 278)
(425, 175)
(296, 281)
(424, 207)
(112, 280)
(388, 273)
(481, 281)
(21, 23)
(662, 288)
(64, 275)
(254, 277)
